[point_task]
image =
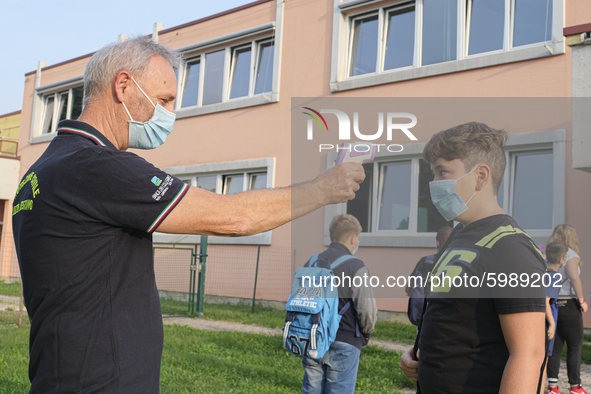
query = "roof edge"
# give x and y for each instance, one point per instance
(195, 22)
(11, 113)
(578, 29)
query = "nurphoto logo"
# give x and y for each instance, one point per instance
(392, 120)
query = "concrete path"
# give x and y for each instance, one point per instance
(203, 324)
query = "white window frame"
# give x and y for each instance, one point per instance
(39, 107)
(346, 12)
(253, 46)
(56, 105)
(554, 140)
(254, 37)
(242, 167)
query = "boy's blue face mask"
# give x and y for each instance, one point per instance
(443, 195)
(153, 133)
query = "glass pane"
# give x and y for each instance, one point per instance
(264, 77)
(395, 194)
(63, 105)
(77, 98)
(486, 26)
(214, 77)
(439, 31)
(187, 181)
(258, 181)
(429, 218)
(48, 114)
(208, 183)
(364, 51)
(400, 42)
(241, 76)
(533, 22)
(191, 92)
(501, 195)
(233, 184)
(360, 207)
(533, 191)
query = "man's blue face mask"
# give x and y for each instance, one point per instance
(443, 195)
(153, 133)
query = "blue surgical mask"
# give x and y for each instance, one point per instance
(449, 203)
(153, 133)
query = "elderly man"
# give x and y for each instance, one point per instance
(85, 247)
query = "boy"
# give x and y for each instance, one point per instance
(336, 372)
(556, 256)
(484, 334)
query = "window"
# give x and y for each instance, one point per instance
(240, 72)
(399, 51)
(364, 48)
(264, 69)
(388, 206)
(529, 198)
(228, 183)
(191, 83)
(66, 104)
(228, 74)
(393, 41)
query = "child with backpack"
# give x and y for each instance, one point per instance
(327, 325)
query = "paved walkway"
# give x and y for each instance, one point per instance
(203, 324)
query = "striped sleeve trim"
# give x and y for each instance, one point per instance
(167, 210)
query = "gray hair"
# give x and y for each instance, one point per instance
(132, 55)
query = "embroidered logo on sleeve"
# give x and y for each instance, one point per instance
(164, 186)
(156, 181)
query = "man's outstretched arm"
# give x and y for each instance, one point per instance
(252, 212)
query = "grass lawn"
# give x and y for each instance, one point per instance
(11, 289)
(197, 361)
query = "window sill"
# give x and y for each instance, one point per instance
(227, 106)
(43, 138)
(471, 63)
(259, 239)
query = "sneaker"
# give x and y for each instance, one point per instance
(578, 390)
(553, 390)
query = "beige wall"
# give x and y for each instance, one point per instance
(264, 131)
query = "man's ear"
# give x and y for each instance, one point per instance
(121, 85)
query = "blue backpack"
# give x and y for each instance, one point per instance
(313, 317)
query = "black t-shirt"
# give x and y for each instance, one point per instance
(83, 217)
(462, 348)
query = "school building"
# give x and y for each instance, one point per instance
(250, 70)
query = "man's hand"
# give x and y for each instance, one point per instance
(341, 182)
(410, 367)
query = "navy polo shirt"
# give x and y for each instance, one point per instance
(82, 219)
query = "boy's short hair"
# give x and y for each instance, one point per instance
(555, 251)
(472, 143)
(343, 226)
